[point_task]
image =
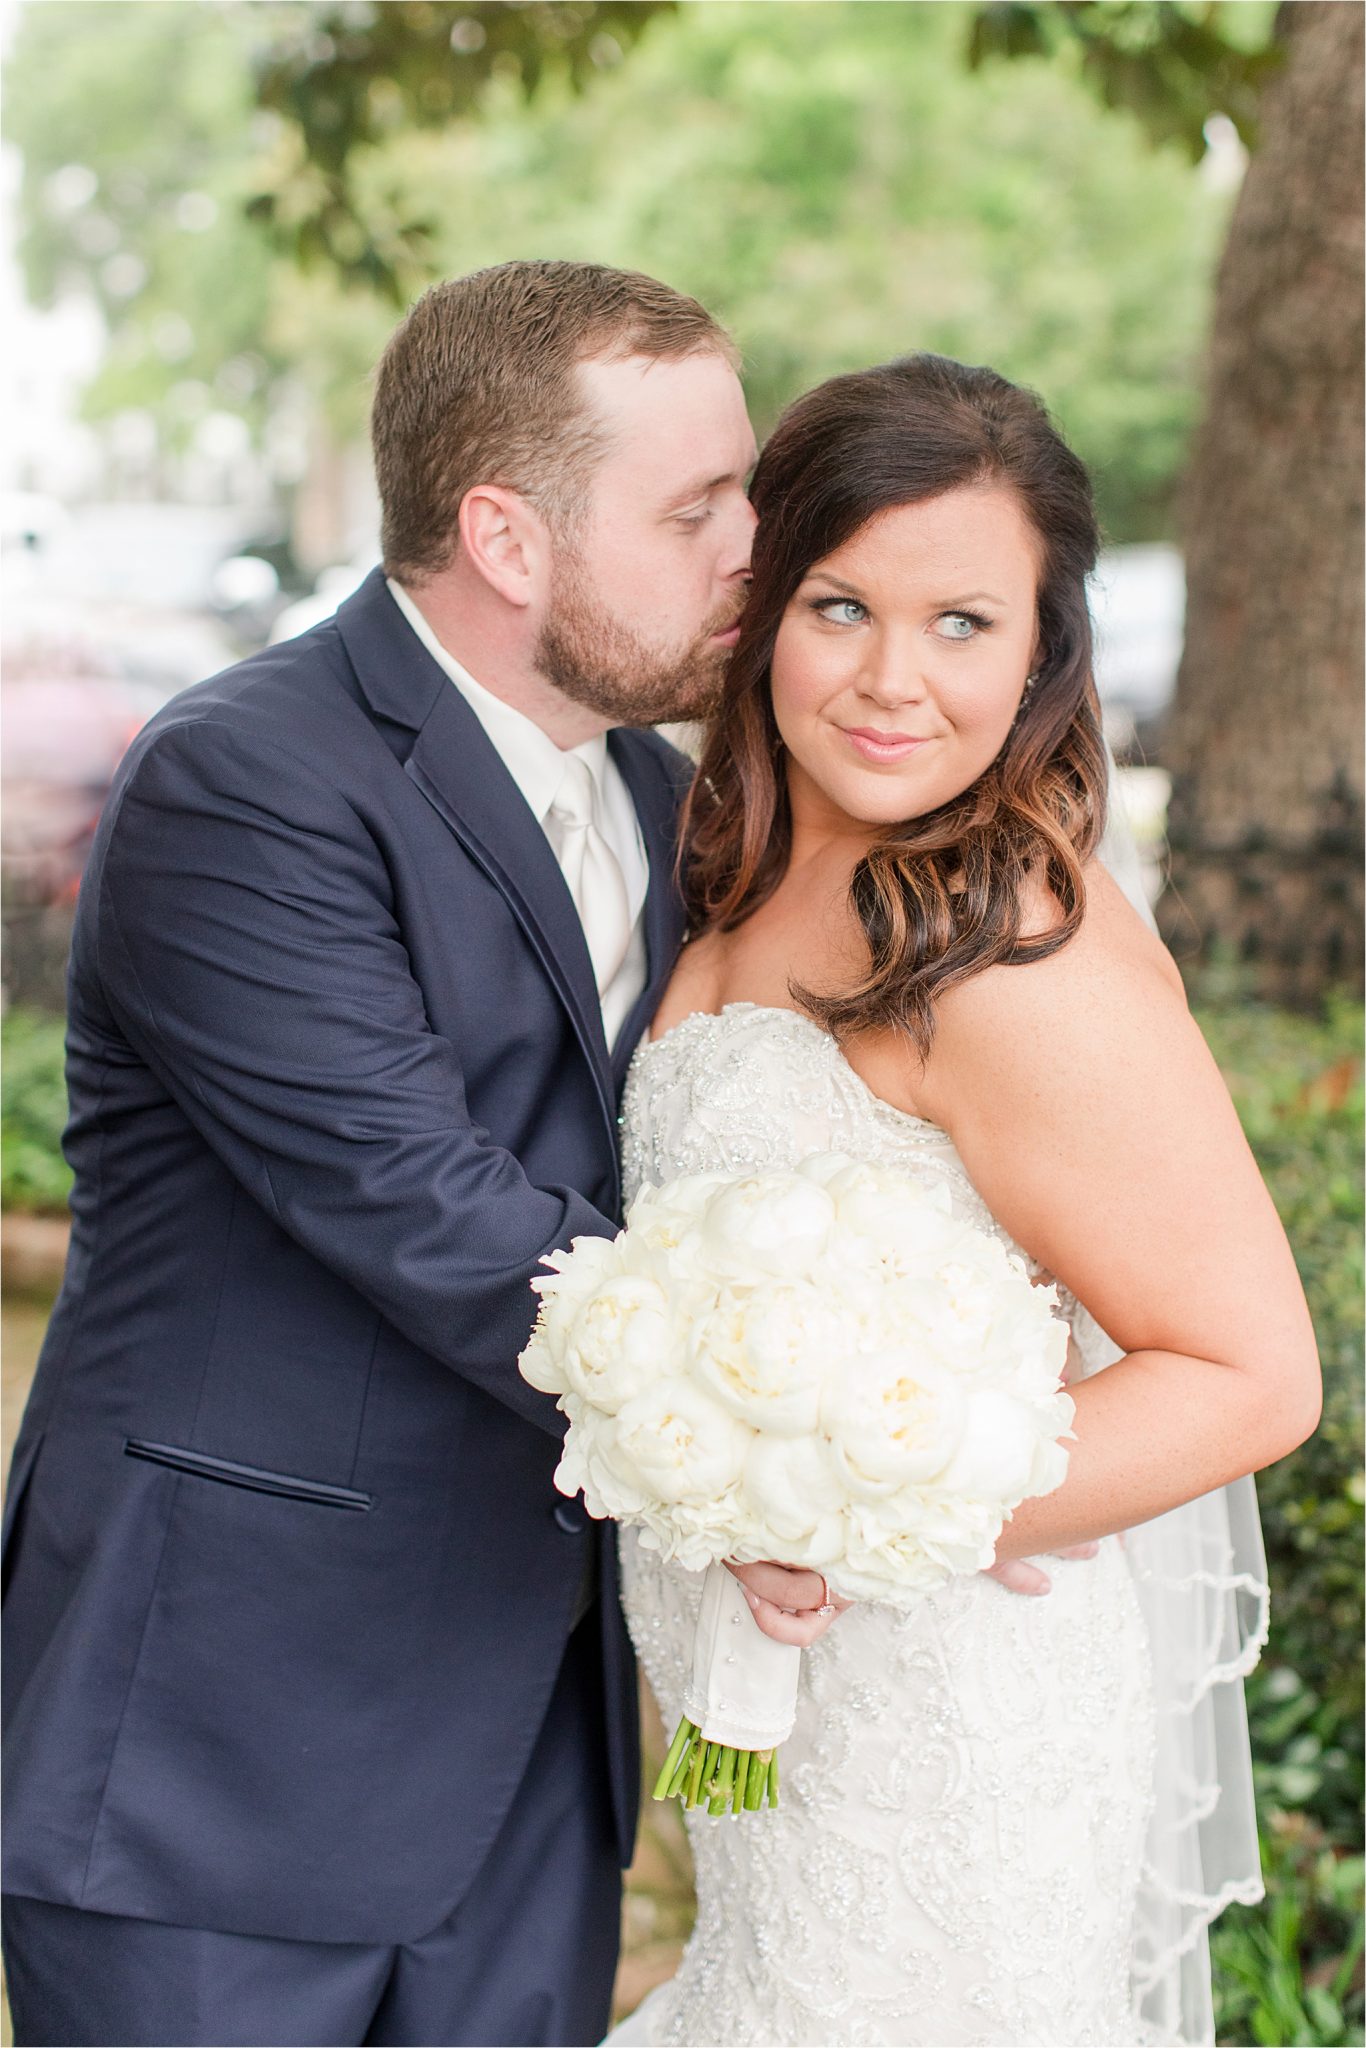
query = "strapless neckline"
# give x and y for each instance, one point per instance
(692, 1024)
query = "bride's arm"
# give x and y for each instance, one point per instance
(1091, 1117)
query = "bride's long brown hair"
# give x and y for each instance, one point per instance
(943, 896)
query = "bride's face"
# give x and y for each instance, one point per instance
(901, 660)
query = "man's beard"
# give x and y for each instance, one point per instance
(596, 661)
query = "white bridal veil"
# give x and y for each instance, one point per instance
(1201, 1576)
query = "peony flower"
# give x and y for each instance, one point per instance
(591, 1464)
(894, 1419)
(767, 1226)
(764, 1353)
(620, 1342)
(682, 1444)
(795, 1496)
(995, 1456)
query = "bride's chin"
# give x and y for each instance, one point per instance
(875, 810)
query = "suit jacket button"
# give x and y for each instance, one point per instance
(569, 1517)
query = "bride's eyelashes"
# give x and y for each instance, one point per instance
(829, 608)
(977, 621)
(826, 607)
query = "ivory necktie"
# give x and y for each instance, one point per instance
(591, 869)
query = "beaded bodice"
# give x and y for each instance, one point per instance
(753, 1086)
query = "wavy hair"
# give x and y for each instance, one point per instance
(943, 896)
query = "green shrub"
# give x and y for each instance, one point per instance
(33, 1173)
(1290, 1969)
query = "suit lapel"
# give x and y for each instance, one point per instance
(656, 798)
(462, 775)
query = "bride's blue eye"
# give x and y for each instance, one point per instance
(971, 624)
(838, 610)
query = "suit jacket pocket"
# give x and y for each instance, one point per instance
(256, 1480)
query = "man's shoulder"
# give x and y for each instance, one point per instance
(296, 699)
(668, 761)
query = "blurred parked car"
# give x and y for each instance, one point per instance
(332, 588)
(79, 678)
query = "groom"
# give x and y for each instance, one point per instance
(320, 1709)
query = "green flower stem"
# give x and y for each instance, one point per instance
(682, 1736)
(724, 1781)
(716, 1775)
(699, 1758)
(684, 1767)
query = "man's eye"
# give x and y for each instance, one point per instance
(841, 611)
(699, 518)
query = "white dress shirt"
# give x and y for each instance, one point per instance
(536, 765)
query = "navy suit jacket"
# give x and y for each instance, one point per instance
(290, 1582)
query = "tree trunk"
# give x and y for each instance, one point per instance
(1265, 741)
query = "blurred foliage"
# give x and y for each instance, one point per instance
(1173, 63)
(1290, 1969)
(345, 79)
(138, 139)
(832, 180)
(33, 1173)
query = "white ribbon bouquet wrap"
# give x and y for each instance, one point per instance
(824, 1367)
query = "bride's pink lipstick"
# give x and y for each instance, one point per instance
(882, 746)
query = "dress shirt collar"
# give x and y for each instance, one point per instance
(531, 757)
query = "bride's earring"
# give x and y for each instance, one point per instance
(1025, 696)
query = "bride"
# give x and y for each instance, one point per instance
(1004, 1821)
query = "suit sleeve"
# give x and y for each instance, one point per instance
(249, 950)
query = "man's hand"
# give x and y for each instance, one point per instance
(785, 1601)
(1017, 1575)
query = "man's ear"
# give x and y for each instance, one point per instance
(507, 541)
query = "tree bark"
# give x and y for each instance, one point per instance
(1265, 741)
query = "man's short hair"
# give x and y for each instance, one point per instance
(477, 386)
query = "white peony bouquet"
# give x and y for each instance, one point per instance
(824, 1367)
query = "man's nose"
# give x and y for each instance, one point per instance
(735, 561)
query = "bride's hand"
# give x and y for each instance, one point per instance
(1018, 1575)
(786, 1601)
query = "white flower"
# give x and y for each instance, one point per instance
(995, 1458)
(681, 1443)
(540, 1364)
(767, 1226)
(795, 1495)
(621, 1340)
(574, 1274)
(590, 1465)
(764, 1354)
(902, 1217)
(894, 1419)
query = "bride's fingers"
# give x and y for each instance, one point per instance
(1017, 1576)
(785, 1585)
(801, 1629)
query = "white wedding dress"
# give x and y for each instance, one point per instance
(1003, 1820)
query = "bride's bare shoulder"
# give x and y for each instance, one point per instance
(1112, 979)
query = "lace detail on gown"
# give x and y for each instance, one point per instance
(960, 1847)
